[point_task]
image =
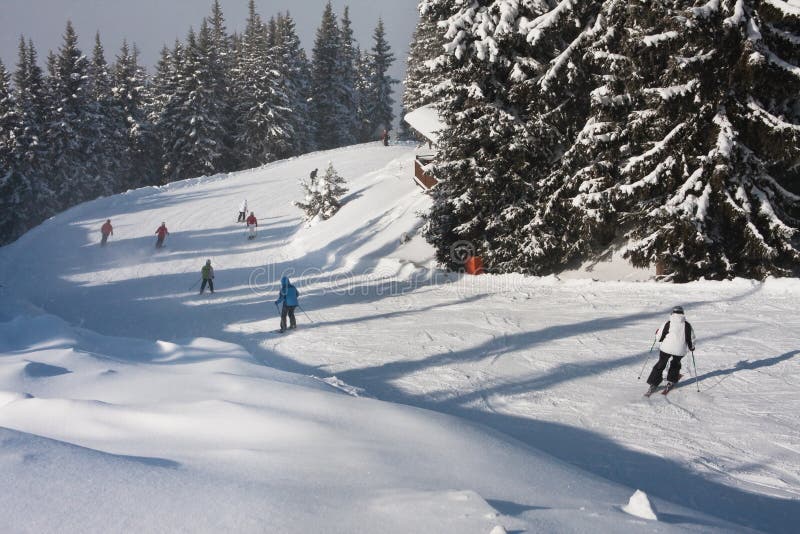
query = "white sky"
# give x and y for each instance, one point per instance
(152, 23)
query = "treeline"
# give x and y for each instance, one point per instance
(84, 127)
(668, 131)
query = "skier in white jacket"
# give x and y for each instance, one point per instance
(242, 211)
(675, 338)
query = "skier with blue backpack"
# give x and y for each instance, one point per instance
(287, 302)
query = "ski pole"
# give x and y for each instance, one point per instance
(695, 373)
(648, 357)
(194, 285)
(304, 313)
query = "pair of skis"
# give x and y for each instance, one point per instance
(669, 387)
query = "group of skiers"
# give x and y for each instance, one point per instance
(287, 296)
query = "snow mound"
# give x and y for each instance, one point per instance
(639, 505)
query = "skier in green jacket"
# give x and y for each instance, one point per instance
(207, 272)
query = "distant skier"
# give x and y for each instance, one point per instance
(252, 225)
(242, 211)
(207, 273)
(675, 337)
(385, 137)
(313, 175)
(106, 230)
(162, 233)
(288, 297)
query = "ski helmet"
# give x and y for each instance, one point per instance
(678, 309)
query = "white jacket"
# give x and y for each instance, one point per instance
(676, 342)
(243, 207)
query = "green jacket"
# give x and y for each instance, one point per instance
(208, 272)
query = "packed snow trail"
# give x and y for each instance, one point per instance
(552, 363)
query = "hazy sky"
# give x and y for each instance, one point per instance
(152, 23)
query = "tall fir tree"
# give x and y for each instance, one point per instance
(427, 43)
(346, 79)
(379, 104)
(106, 133)
(223, 62)
(137, 155)
(191, 126)
(328, 108)
(68, 132)
(264, 130)
(650, 125)
(15, 188)
(296, 82)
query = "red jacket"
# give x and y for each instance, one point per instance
(106, 229)
(162, 231)
(252, 221)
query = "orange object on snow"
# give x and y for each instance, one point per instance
(474, 265)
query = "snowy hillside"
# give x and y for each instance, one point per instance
(416, 401)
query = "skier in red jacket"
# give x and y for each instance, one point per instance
(106, 230)
(252, 224)
(162, 233)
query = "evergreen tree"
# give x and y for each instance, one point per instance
(296, 81)
(323, 195)
(136, 158)
(223, 62)
(328, 108)
(365, 89)
(106, 133)
(346, 79)
(427, 44)
(670, 126)
(69, 125)
(264, 129)
(191, 124)
(15, 189)
(379, 101)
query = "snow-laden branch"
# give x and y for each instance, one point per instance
(657, 147)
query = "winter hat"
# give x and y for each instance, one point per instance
(208, 262)
(678, 309)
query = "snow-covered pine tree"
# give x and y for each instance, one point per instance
(263, 128)
(364, 88)
(191, 122)
(323, 195)
(14, 188)
(346, 79)
(296, 82)
(138, 154)
(488, 152)
(222, 72)
(691, 148)
(379, 101)
(106, 133)
(327, 100)
(69, 125)
(28, 197)
(427, 44)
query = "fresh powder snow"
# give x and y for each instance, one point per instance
(409, 399)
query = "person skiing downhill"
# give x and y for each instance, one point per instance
(675, 337)
(162, 233)
(242, 211)
(313, 174)
(288, 296)
(106, 230)
(252, 225)
(207, 273)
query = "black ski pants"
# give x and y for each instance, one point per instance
(210, 283)
(159, 242)
(287, 310)
(241, 217)
(656, 375)
(104, 240)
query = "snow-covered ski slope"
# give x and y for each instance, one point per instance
(128, 402)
